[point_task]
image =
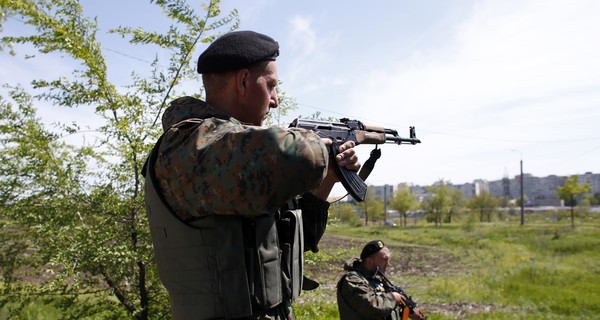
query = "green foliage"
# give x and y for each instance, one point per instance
(76, 212)
(345, 212)
(458, 204)
(572, 192)
(486, 204)
(372, 208)
(403, 201)
(440, 204)
(469, 223)
(56, 307)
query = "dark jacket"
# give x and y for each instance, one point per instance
(361, 295)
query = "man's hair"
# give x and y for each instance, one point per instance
(216, 81)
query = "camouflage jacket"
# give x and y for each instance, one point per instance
(362, 296)
(213, 164)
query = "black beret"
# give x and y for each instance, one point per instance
(371, 248)
(236, 50)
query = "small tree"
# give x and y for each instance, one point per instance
(403, 201)
(571, 192)
(78, 211)
(457, 206)
(372, 206)
(346, 213)
(440, 203)
(485, 203)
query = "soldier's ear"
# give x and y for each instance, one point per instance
(242, 79)
(368, 262)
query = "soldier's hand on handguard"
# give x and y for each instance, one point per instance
(399, 299)
(417, 315)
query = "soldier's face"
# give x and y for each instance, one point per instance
(381, 259)
(261, 94)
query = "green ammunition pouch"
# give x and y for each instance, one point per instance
(291, 244)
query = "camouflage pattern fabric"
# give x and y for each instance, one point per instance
(365, 296)
(210, 163)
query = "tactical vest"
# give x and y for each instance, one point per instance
(224, 266)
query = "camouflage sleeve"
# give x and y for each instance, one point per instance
(365, 300)
(224, 168)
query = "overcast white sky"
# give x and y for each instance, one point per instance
(484, 82)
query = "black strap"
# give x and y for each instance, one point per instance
(368, 166)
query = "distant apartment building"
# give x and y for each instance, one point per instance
(593, 179)
(538, 191)
(385, 192)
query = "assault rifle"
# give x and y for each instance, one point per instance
(360, 133)
(410, 305)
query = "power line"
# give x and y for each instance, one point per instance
(128, 55)
(578, 156)
(510, 140)
(107, 49)
(391, 125)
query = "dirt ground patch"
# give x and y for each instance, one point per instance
(407, 261)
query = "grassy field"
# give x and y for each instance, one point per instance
(464, 270)
(469, 270)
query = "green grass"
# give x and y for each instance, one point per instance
(464, 270)
(499, 270)
(34, 310)
(53, 307)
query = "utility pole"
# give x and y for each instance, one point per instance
(366, 211)
(385, 217)
(522, 196)
(522, 189)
